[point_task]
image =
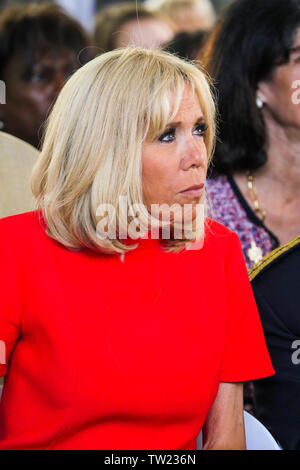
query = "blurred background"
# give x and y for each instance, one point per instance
(84, 10)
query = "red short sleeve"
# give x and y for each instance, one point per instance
(246, 356)
(10, 304)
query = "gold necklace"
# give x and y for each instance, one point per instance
(254, 197)
(255, 253)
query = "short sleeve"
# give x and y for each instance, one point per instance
(246, 356)
(10, 304)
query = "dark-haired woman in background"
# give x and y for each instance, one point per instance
(40, 47)
(254, 57)
(188, 45)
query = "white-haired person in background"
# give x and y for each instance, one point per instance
(122, 329)
(186, 15)
(130, 24)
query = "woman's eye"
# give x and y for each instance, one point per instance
(167, 136)
(37, 77)
(200, 129)
(40, 77)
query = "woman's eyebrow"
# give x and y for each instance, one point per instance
(295, 49)
(178, 123)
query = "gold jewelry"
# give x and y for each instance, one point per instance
(254, 196)
(255, 253)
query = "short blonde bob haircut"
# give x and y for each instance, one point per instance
(92, 150)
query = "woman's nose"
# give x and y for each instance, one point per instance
(194, 155)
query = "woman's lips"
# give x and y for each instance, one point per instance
(195, 190)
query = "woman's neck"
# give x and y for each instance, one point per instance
(283, 164)
(277, 183)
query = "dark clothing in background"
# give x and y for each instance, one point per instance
(276, 285)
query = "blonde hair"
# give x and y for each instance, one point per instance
(92, 151)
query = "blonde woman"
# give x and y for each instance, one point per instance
(114, 338)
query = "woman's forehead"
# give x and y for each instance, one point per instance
(187, 102)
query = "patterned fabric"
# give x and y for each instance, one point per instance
(225, 207)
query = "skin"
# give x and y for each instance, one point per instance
(278, 181)
(178, 159)
(191, 21)
(28, 101)
(168, 167)
(150, 33)
(224, 428)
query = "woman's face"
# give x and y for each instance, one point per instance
(174, 166)
(29, 99)
(281, 94)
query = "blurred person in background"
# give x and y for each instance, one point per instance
(130, 24)
(188, 45)
(220, 5)
(253, 56)
(186, 15)
(276, 398)
(40, 47)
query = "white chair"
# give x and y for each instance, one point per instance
(17, 159)
(257, 436)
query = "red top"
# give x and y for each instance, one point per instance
(105, 354)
